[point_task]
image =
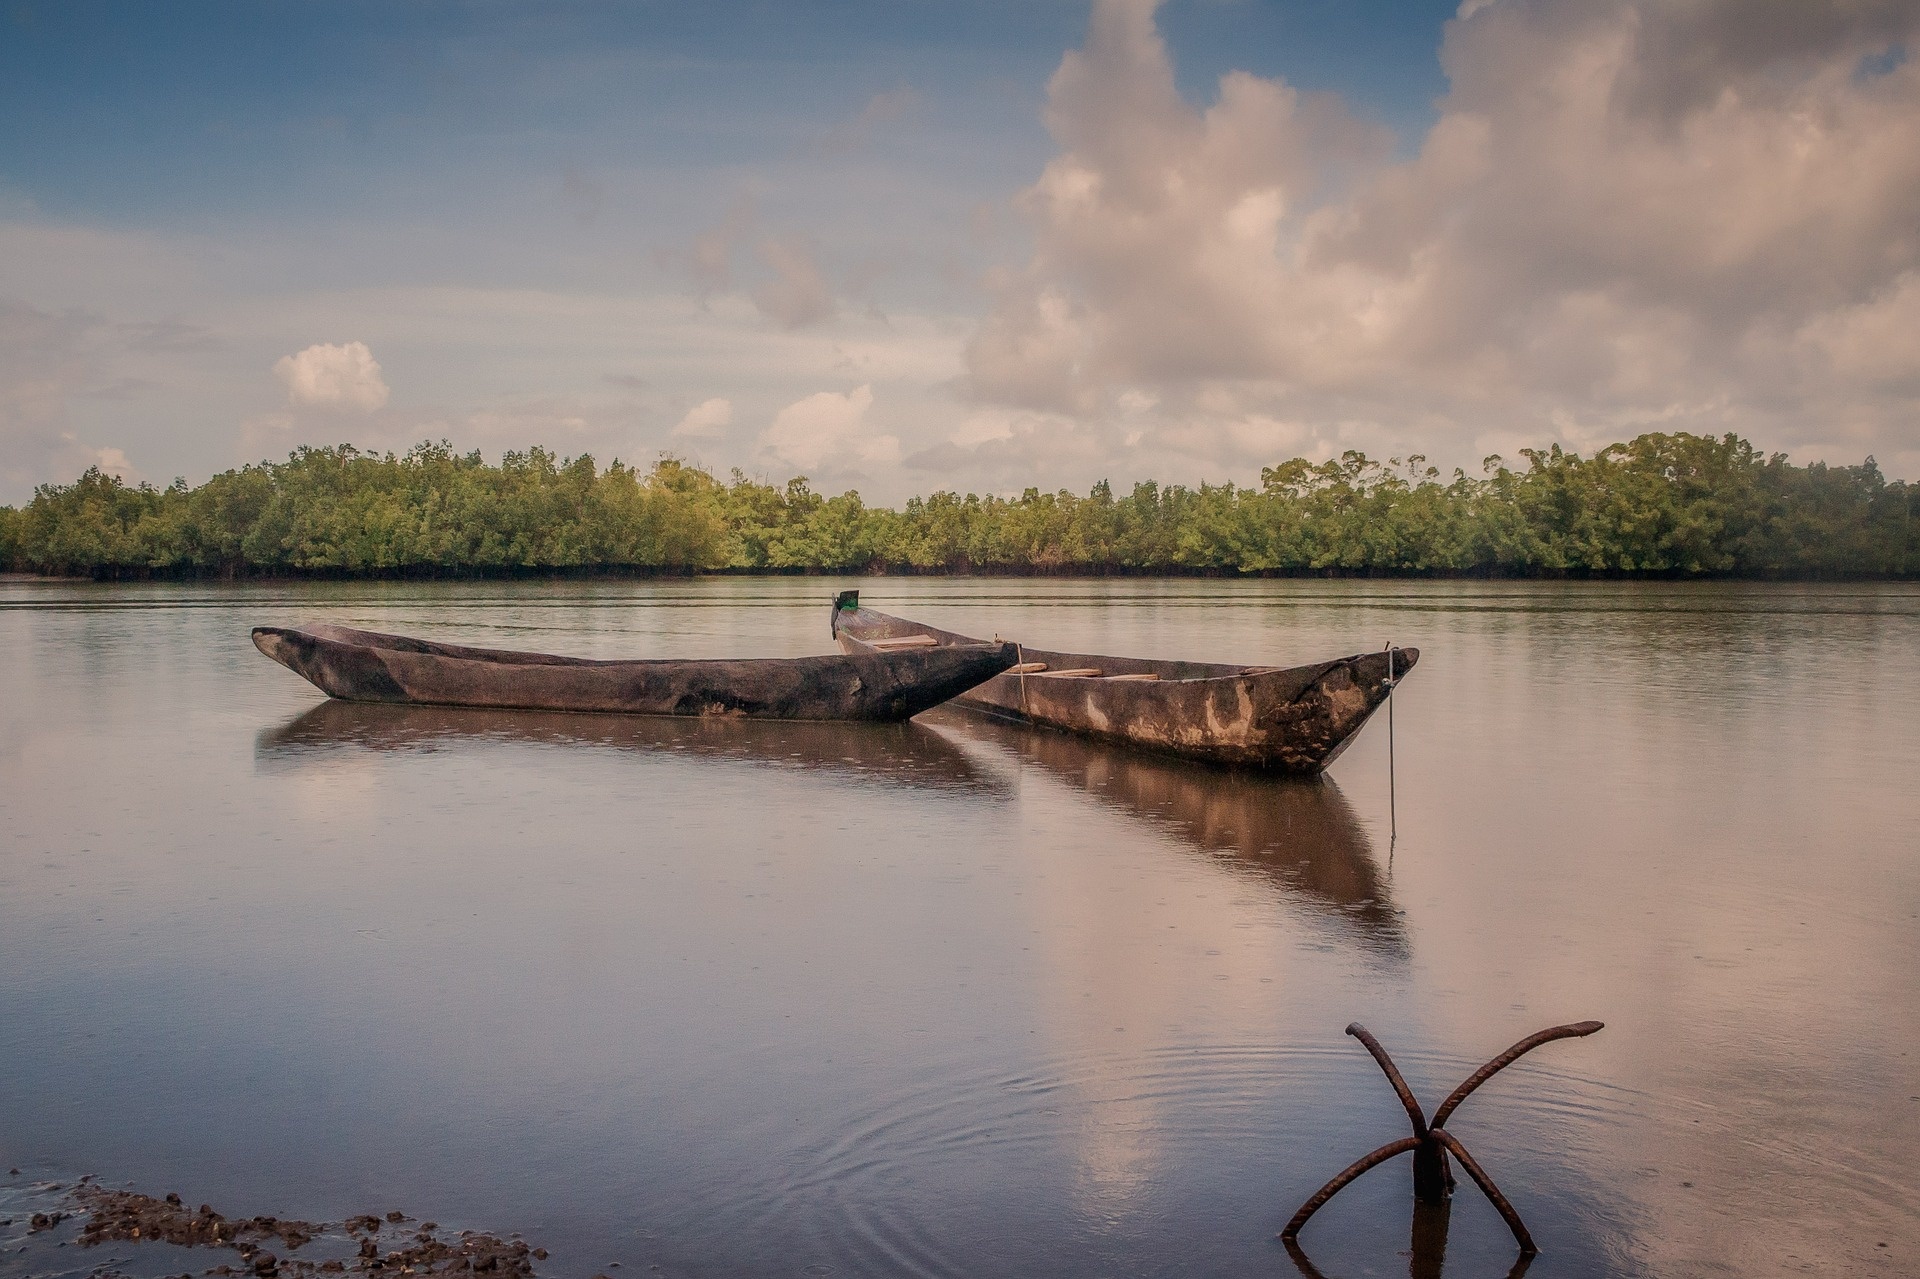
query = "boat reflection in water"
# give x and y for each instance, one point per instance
(1298, 834)
(905, 754)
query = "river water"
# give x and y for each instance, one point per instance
(952, 999)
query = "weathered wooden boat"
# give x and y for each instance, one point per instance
(877, 684)
(1291, 720)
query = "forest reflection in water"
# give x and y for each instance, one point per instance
(1300, 836)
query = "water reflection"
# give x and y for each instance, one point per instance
(905, 754)
(1426, 1249)
(1301, 836)
(749, 1000)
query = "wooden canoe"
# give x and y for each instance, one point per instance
(366, 666)
(1292, 720)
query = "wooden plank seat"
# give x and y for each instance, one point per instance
(904, 641)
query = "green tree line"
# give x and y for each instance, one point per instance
(1665, 504)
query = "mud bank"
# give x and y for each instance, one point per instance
(87, 1229)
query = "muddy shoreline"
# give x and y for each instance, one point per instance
(163, 1235)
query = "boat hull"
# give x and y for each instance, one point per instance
(367, 666)
(1294, 720)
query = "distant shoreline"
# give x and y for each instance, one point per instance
(1660, 506)
(642, 573)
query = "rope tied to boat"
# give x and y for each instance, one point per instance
(1020, 653)
(1393, 809)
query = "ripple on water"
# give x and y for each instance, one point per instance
(906, 1184)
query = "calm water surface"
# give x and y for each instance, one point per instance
(949, 999)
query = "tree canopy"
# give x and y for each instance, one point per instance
(1661, 504)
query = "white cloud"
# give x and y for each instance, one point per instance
(798, 293)
(1008, 450)
(328, 376)
(828, 428)
(984, 426)
(709, 417)
(1875, 342)
(111, 460)
(1627, 216)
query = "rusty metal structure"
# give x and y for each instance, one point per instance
(1294, 719)
(1431, 1143)
(1426, 1247)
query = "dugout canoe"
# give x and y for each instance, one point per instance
(1287, 720)
(367, 666)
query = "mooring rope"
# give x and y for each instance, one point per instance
(1393, 811)
(1021, 653)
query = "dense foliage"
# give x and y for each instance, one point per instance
(1662, 504)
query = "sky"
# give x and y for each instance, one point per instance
(903, 246)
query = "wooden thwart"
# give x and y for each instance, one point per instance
(1141, 675)
(905, 641)
(1027, 668)
(1085, 670)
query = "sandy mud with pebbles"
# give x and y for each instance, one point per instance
(86, 1230)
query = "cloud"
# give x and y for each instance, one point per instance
(168, 336)
(569, 425)
(708, 261)
(47, 359)
(327, 376)
(797, 295)
(1628, 215)
(707, 418)
(828, 428)
(267, 435)
(792, 290)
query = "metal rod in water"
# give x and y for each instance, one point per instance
(1431, 1143)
